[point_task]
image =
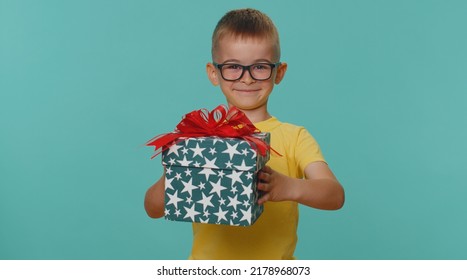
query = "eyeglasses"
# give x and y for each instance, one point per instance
(258, 71)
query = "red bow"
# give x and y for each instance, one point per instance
(219, 122)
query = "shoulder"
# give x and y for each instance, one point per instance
(292, 130)
(298, 138)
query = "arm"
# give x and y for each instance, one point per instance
(154, 199)
(319, 190)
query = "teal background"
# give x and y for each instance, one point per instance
(83, 84)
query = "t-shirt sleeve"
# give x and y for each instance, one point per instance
(307, 150)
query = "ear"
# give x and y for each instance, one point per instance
(212, 74)
(281, 69)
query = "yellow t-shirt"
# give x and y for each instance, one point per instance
(274, 235)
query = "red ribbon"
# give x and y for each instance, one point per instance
(219, 122)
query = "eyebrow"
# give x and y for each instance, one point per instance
(236, 61)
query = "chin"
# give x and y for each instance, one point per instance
(246, 107)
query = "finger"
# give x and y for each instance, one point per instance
(267, 169)
(263, 176)
(263, 198)
(263, 187)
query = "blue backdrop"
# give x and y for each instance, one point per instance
(83, 84)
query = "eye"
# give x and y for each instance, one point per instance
(261, 67)
(232, 67)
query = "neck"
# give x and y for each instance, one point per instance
(256, 115)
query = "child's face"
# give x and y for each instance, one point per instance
(246, 93)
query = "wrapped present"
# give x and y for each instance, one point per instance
(213, 180)
(212, 161)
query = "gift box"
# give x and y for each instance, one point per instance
(213, 180)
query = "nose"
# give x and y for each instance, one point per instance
(246, 77)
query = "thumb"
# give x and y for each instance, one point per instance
(263, 198)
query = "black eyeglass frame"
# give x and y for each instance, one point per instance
(247, 67)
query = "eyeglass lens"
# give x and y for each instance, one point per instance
(258, 71)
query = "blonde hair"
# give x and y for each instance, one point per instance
(246, 24)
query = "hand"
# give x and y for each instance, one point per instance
(319, 190)
(275, 186)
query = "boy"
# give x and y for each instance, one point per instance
(246, 55)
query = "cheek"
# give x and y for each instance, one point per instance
(269, 85)
(225, 86)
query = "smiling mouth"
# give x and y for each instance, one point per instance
(246, 90)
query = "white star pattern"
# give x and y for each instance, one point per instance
(231, 150)
(168, 170)
(197, 151)
(220, 215)
(246, 215)
(233, 190)
(184, 162)
(234, 215)
(233, 202)
(174, 199)
(246, 191)
(217, 188)
(216, 139)
(253, 153)
(221, 201)
(207, 172)
(242, 167)
(191, 213)
(186, 143)
(235, 176)
(210, 180)
(174, 149)
(206, 201)
(203, 221)
(188, 187)
(210, 163)
(168, 183)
